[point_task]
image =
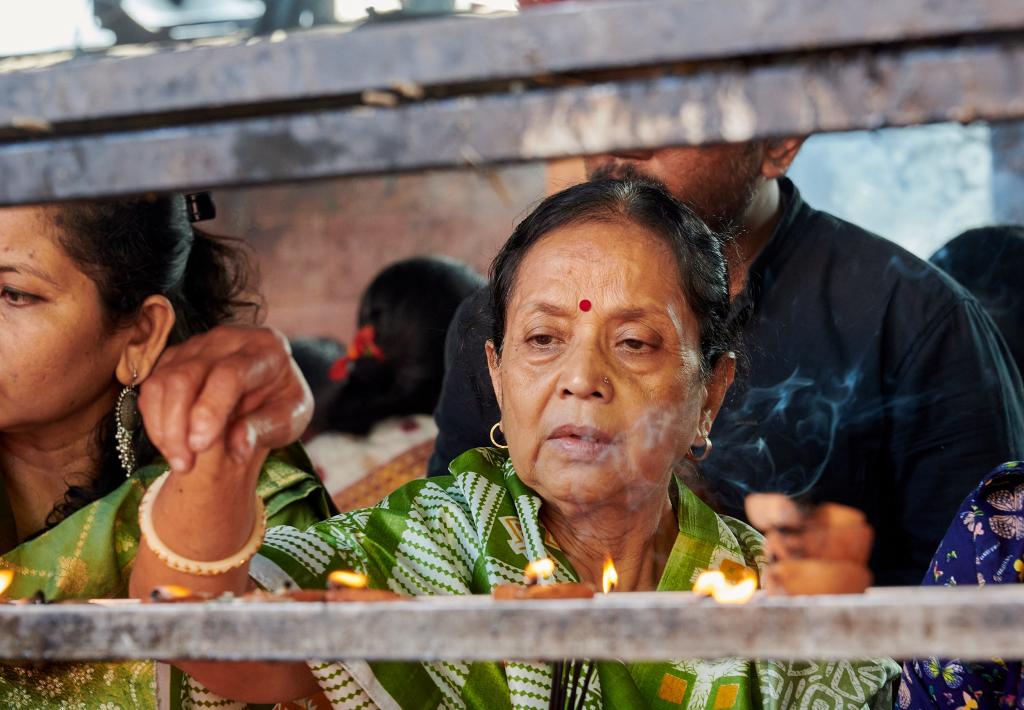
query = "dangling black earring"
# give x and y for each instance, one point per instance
(128, 419)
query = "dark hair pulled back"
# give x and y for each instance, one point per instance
(410, 305)
(702, 268)
(136, 248)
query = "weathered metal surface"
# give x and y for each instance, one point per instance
(846, 91)
(257, 76)
(967, 623)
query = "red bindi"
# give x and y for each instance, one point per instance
(584, 305)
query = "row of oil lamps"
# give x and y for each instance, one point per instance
(820, 549)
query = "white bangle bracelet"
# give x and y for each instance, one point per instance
(196, 567)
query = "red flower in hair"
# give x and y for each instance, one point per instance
(363, 345)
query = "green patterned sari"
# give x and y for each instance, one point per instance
(479, 527)
(89, 556)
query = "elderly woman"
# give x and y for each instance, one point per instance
(95, 300)
(609, 358)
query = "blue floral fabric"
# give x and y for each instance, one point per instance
(984, 545)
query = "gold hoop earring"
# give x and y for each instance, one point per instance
(497, 425)
(703, 454)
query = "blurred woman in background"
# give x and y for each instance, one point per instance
(986, 262)
(377, 432)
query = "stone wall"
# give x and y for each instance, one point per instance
(319, 244)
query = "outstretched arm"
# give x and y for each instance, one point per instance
(214, 407)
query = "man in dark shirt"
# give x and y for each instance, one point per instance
(872, 379)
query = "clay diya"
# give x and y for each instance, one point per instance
(342, 586)
(531, 588)
(175, 593)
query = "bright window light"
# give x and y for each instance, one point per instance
(352, 10)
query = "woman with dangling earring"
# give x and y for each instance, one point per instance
(99, 303)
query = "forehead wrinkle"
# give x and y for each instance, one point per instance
(594, 274)
(30, 243)
(19, 268)
(543, 307)
(588, 261)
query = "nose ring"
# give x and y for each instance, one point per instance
(607, 381)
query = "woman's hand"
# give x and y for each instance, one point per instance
(236, 385)
(214, 406)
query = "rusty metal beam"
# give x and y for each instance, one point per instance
(967, 623)
(857, 90)
(258, 76)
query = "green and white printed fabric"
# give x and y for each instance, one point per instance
(479, 527)
(89, 556)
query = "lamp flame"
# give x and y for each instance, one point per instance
(342, 578)
(538, 570)
(610, 578)
(736, 588)
(6, 577)
(170, 592)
